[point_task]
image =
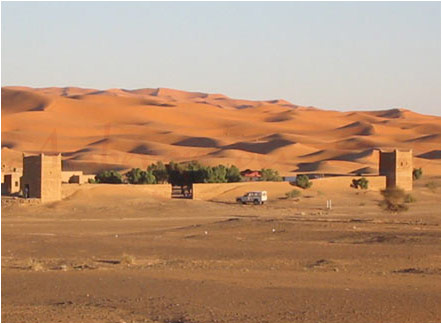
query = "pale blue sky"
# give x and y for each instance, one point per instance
(344, 56)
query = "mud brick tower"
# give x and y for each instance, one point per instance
(42, 177)
(397, 166)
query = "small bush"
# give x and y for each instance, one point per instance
(409, 199)
(432, 186)
(354, 183)
(295, 193)
(91, 180)
(394, 200)
(34, 265)
(127, 259)
(417, 173)
(303, 182)
(361, 183)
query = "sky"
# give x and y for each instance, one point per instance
(331, 55)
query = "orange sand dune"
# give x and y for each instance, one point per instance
(120, 128)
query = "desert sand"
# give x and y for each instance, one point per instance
(109, 255)
(121, 129)
(112, 253)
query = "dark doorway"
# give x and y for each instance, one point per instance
(183, 192)
(26, 192)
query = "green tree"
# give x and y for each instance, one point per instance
(303, 182)
(147, 177)
(193, 172)
(270, 175)
(109, 176)
(175, 173)
(138, 176)
(216, 174)
(233, 174)
(133, 176)
(159, 171)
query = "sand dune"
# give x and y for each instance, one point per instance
(198, 142)
(120, 128)
(356, 143)
(432, 155)
(329, 166)
(356, 128)
(432, 138)
(17, 101)
(260, 147)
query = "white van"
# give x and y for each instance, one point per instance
(255, 197)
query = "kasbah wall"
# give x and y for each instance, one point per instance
(395, 171)
(75, 177)
(275, 190)
(42, 173)
(163, 191)
(42, 177)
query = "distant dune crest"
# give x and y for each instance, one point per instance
(122, 128)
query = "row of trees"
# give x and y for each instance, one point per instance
(181, 174)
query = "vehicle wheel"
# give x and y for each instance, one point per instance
(256, 202)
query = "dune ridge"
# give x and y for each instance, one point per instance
(121, 128)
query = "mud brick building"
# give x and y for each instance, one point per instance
(11, 183)
(42, 177)
(397, 166)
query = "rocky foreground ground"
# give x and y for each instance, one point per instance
(105, 259)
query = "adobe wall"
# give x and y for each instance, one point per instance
(66, 175)
(51, 178)
(330, 184)
(229, 191)
(76, 177)
(85, 178)
(275, 190)
(163, 191)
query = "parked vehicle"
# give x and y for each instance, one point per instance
(255, 197)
